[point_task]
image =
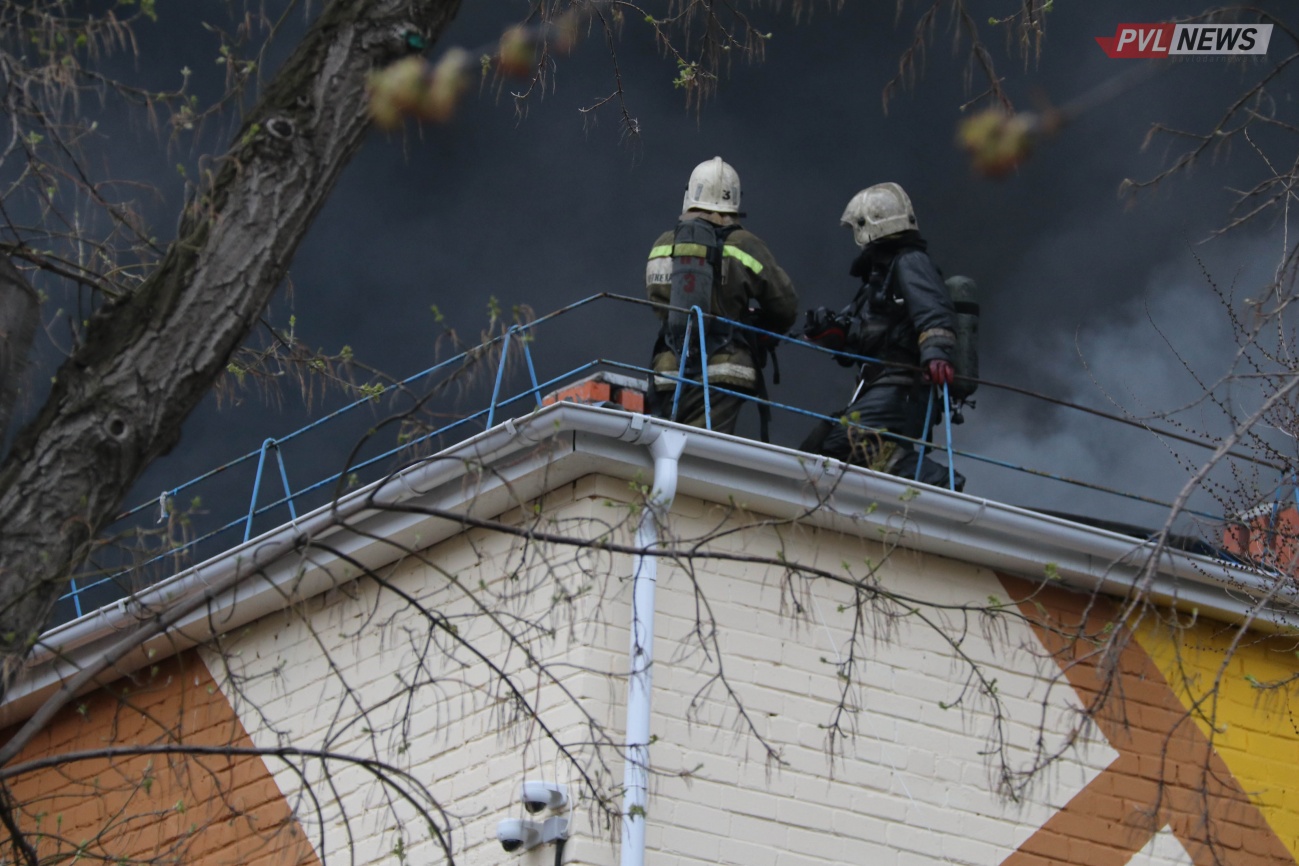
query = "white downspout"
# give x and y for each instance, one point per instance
(666, 451)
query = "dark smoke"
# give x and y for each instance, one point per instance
(552, 206)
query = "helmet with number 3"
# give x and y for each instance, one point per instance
(714, 186)
(878, 211)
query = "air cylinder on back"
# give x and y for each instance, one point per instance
(965, 357)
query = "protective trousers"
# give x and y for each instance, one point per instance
(864, 440)
(725, 408)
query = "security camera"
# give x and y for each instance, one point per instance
(516, 834)
(538, 795)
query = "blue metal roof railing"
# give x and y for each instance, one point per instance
(500, 371)
(257, 484)
(522, 335)
(701, 331)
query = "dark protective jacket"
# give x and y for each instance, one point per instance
(749, 274)
(902, 314)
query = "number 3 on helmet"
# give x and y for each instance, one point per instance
(714, 186)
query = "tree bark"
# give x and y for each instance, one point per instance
(19, 313)
(148, 359)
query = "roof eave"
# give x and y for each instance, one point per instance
(525, 458)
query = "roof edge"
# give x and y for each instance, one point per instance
(267, 573)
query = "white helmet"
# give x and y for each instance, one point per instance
(877, 211)
(714, 186)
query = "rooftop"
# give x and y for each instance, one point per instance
(1018, 539)
(522, 458)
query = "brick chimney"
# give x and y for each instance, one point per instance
(603, 389)
(1267, 535)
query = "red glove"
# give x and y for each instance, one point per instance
(831, 337)
(825, 329)
(940, 372)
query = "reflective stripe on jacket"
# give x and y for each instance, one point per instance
(749, 273)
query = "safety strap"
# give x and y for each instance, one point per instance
(854, 310)
(862, 298)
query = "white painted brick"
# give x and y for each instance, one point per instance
(703, 818)
(911, 858)
(882, 806)
(805, 815)
(997, 830)
(759, 831)
(741, 852)
(858, 826)
(736, 812)
(692, 843)
(750, 803)
(913, 839)
(797, 855)
(873, 853)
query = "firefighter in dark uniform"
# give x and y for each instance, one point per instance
(903, 317)
(711, 261)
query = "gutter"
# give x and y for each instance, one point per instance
(996, 535)
(266, 574)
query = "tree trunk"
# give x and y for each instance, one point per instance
(19, 313)
(148, 359)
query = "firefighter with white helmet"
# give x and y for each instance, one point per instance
(714, 187)
(902, 318)
(878, 211)
(708, 260)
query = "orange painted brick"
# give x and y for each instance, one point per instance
(1267, 541)
(1021, 858)
(1156, 718)
(1046, 844)
(632, 401)
(1228, 834)
(1073, 825)
(105, 801)
(1085, 852)
(1109, 808)
(583, 392)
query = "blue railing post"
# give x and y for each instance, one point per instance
(284, 479)
(257, 485)
(681, 368)
(532, 371)
(500, 375)
(947, 422)
(76, 597)
(929, 414)
(703, 366)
